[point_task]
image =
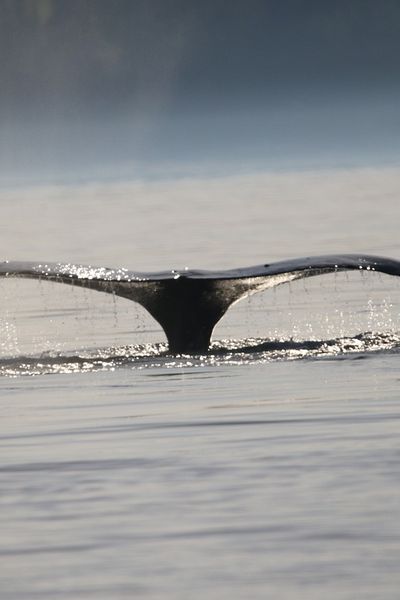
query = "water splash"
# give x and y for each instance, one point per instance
(223, 352)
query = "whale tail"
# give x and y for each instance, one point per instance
(188, 304)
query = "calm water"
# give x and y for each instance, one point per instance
(269, 471)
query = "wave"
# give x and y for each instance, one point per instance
(223, 352)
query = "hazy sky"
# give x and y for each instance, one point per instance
(101, 88)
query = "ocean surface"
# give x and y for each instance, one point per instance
(267, 468)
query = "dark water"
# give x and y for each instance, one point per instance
(268, 468)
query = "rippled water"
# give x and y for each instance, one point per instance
(267, 468)
(222, 353)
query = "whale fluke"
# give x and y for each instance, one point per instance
(186, 303)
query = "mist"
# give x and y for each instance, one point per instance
(133, 89)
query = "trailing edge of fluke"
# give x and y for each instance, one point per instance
(186, 303)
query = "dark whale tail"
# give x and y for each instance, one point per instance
(188, 304)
